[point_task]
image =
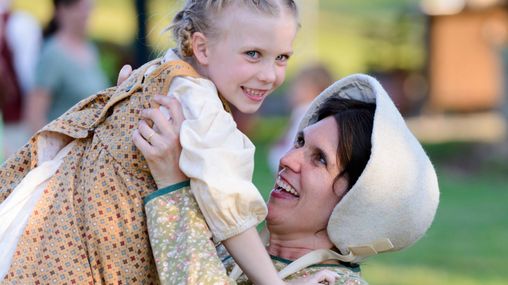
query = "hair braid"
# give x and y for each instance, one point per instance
(198, 16)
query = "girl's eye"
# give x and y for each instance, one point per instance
(252, 54)
(300, 141)
(283, 58)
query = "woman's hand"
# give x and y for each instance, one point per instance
(160, 144)
(124, 73)
(321, 277)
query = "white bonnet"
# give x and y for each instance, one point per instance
(395, 199)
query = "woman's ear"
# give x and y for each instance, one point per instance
(200, 47)
(340, 186)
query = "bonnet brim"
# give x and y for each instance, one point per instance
(396, 197)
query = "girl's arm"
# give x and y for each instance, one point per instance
(250, 253)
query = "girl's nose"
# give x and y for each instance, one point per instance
(268, 74)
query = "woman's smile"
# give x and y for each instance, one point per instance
(284, 190)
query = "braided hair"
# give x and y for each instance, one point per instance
(198, 16)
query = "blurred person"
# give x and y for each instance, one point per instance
(68, 69)
(20, 40)
(309, 82)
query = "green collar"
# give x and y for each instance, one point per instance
(351, 266)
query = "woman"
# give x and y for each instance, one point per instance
(68, 69)
(356, 183)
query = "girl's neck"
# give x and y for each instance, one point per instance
(294, 246)
(198, 67)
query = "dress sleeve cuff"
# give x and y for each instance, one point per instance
(166, 190)
(229, 233)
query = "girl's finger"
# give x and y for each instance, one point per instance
(326, 277)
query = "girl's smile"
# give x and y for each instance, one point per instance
(249, 61)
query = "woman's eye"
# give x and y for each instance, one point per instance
(322, 159)
(252, 54)
(299, 142)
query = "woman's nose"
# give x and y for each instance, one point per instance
(291, 160)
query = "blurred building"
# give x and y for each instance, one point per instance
(466, 64)
(467, 71)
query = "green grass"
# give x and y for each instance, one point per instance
(465, 245)
(468, 241)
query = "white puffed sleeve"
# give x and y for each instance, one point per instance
(219, 160)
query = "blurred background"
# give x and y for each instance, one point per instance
(444, 62)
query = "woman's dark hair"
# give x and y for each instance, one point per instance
(53, 26)
(355, 120)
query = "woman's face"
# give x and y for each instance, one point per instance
(305, 192)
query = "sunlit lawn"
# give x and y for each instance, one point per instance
(468, 242)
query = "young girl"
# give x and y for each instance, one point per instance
(85, 221)
(245, 65)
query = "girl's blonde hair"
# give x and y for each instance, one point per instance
(198, 15)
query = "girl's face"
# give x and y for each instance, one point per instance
(306, 192)
(247, 60)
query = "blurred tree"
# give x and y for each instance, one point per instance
(141, 42)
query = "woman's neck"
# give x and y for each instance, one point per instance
(294, 246)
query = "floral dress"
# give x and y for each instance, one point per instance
(180, 238)
(348, 275)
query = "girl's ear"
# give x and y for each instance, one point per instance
(200, 47)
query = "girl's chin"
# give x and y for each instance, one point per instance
(249, 108)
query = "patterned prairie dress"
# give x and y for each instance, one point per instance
(89, 224)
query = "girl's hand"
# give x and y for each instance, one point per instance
(321, 277)
(160, 144)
